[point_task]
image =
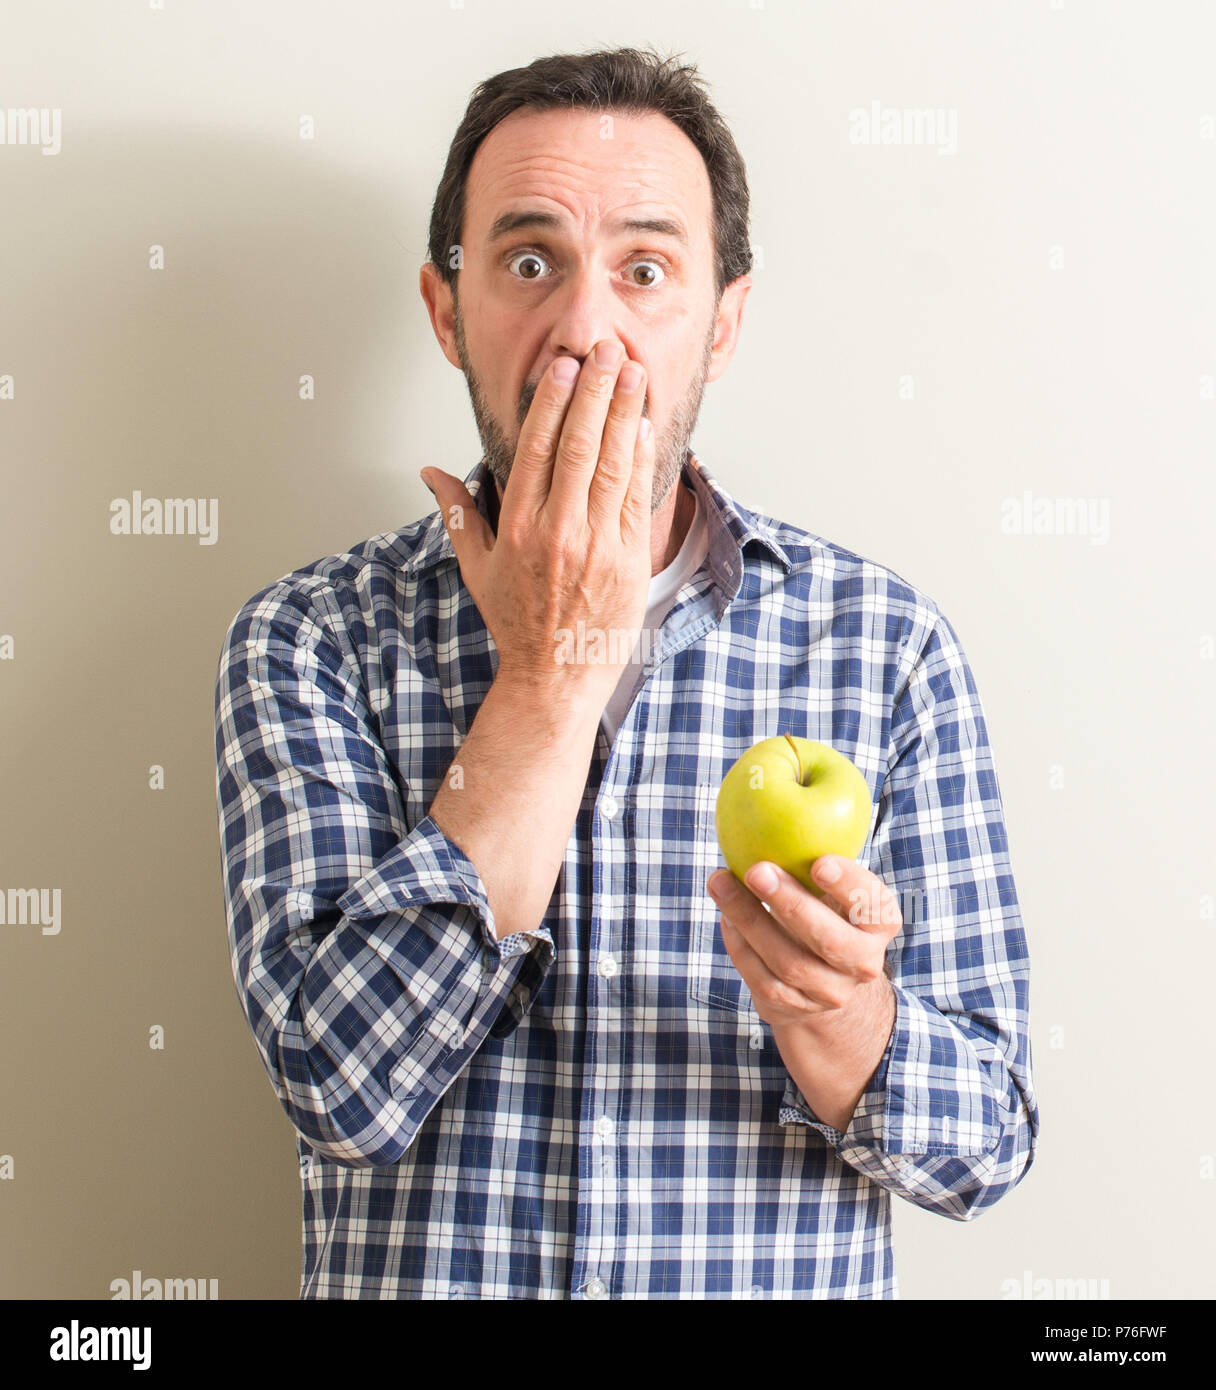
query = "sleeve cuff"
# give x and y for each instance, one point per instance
(428, 867)
(930, 1096)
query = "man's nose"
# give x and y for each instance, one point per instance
(586, 311)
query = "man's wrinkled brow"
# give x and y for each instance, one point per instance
(510, 222)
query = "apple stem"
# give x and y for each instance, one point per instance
(797, 759)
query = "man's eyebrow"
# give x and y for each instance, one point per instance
(510, 222)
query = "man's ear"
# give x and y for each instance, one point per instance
(727, 325)
(437, 296)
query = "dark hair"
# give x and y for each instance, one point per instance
(621, 79)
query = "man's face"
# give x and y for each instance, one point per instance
(530, 293)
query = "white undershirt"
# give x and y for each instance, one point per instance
(664, 587)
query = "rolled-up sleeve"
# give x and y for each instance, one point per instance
(949, 1120)
(363, 950)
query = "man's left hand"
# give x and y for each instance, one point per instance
(806, 959)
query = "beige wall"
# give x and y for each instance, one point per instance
(929, 335)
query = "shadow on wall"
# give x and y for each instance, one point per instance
(176, 383)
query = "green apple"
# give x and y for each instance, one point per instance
(788, 800)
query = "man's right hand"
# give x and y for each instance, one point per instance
(573, 540)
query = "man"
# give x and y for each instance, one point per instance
(467, 836)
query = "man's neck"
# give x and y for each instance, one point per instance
(680, 506)
(668, 526)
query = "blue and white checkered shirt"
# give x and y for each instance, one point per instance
(594, 1108)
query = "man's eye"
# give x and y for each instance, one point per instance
(529, 259)
(653, 273)
(529, 265)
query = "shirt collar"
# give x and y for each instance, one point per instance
(730, 526)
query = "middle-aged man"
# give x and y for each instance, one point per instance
(466, 835)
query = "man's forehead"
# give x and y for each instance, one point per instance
(554, 158)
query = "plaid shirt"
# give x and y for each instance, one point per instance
(594, 1108)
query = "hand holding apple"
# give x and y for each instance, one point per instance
(809, 960)
(806, 926)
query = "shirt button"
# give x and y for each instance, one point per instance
(604, 1126)
(455, 1291)
(596, 1288)
(608, 807)
(757, 1291)
(607, 966)
(756, 1041)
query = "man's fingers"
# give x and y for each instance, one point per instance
(532, 469)
(797, 919)
(615, 468)
(635, 511)
(578, 449)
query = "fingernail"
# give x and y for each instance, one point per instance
(426, 482)
(606, 354)
(565, 369)
(631, 375)
(762, 878)
(827, 870)
(722, 885)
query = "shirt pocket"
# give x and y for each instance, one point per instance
(713, 979)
